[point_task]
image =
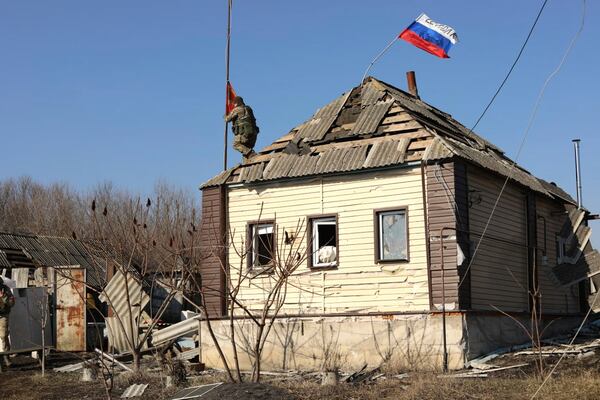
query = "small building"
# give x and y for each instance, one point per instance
(405, 260)
(56, 282)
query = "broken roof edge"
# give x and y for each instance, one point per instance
(220, 178)
(303, 178)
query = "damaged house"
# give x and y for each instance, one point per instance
(394, 196)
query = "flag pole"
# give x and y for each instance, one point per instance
(378, 57)
(229, 4)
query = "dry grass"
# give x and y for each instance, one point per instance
(428, 386)
(576, 381)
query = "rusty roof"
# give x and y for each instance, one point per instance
(375, 125)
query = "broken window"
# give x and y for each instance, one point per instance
(262, 238)
(324, 242)
(392, 238)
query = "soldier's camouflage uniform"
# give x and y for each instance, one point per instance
(244, 129)
(7, 300)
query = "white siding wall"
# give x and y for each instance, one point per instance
(358, 284)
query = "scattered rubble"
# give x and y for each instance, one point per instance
(134, 391)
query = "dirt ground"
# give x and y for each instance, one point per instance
(576, 378)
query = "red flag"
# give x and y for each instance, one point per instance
(229, 102)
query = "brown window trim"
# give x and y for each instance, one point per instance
(250, 243)
(376, 237)
(309, 238)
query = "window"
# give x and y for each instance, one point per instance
(391, 235)
(323, 242)
(261, 239)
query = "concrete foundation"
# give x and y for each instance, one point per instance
(346, 343)
(413, 342)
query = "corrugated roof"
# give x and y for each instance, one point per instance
(319, 124)
(49, 251)
(369, 119)
(381, 114)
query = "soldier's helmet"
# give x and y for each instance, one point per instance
(239, 101)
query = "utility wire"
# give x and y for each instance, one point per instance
(526, 133)
(512, 67)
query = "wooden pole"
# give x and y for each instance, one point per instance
(229, 4)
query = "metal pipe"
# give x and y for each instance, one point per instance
(427, 233)
(412, 83)
(229, 4)
(577, 172)
(444, 295)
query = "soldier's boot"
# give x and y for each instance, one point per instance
(247, 157)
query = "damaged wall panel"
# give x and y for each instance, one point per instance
(551, 218)
(358, 284)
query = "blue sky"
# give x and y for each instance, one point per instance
(132, 92)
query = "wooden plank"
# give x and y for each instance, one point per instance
(392, 119)
(400, 127)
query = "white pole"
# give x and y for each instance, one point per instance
(378, 57)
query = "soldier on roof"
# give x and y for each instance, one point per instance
(244, 128)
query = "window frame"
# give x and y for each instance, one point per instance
(310, 252)
(251, 226)
(377, 234)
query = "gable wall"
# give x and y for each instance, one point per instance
(504, 247)
(499, 270)
(358, 285)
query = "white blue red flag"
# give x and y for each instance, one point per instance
(431, 36)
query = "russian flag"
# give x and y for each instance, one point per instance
(428, 35)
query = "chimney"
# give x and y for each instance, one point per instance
(412, 83)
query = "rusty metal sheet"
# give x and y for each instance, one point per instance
(370, 118)
(70, 309)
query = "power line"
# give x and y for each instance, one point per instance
(512, 67)
(526, 133)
